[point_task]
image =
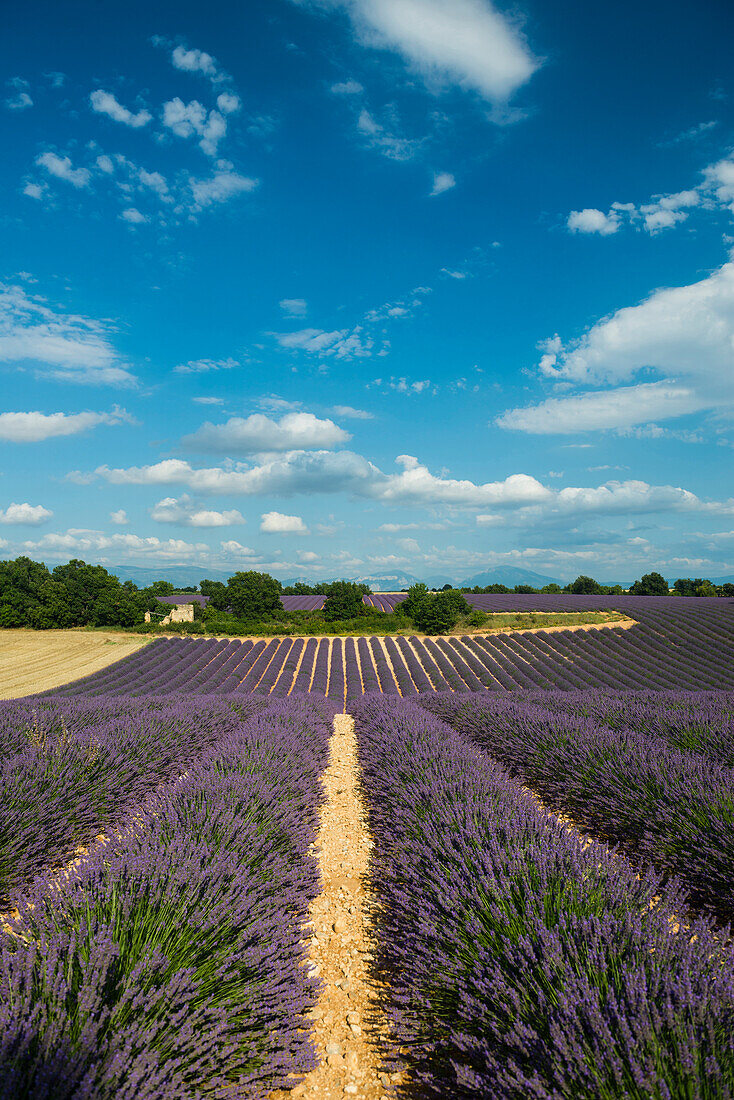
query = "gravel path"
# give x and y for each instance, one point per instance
(345, 1016)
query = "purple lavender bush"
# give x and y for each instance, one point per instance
(519, 960)
(74, 766)
(663, 805)
(169, 964)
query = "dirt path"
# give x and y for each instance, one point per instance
(36, 660)
(348, 1061)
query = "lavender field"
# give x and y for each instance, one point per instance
(683, 644)
(550, 885)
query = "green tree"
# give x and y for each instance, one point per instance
(162, 588)
(651, 584)
(435, 614)
(551, 589)
(684, 586)
(344, 601)
(218, 596)
(586, 586)
(706, 588)
(252, 595)
(525, 589)
(416, 593)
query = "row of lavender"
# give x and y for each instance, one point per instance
(645, 655)
(651, 774)
(169, 961)
(518, 959)
(69, 771)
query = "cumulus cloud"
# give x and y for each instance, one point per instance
(63, 169)
(228, 103)
(302, 473)
(34, 427)
(593, 221)
(84, 541)
(67, 347)
(464, 43)
(105, 103)
(442, 181)
(684, 333)
(295, 430)
(192, 119)
(185, 512)
(119, 518)
(195, 61)
(30, 515)
(275, 523)
(231, 546)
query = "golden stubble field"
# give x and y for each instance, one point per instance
(36, 660)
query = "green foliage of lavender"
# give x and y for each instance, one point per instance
(519, 961)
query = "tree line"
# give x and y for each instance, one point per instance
(79, 594)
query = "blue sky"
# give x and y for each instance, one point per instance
(360, 287)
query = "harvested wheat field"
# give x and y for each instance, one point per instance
(34, 660)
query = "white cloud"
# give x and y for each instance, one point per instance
(352, 414)
(668, 210)
(402, 385)
(347, 87)
(448, 42)
(83, 541)
(302, 473)
(34, 427)
(275, 523)
(593, 221)
(684, 333)
(228, 103)
(620, 408)
(21, 100)
(191, 119)
(119, 518)
(133, 216)
(231, 546)
(30, 515)
(35, 190)
(208, 400)
(185, 512)
(380, 137)
(295, 430)
(202, 366)
(340, 344)
(195, 61)
(104, 103)
(442, 181)
(67, 347)
(63, 169)
(222, 186)
(294, 307)
(719, 178)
